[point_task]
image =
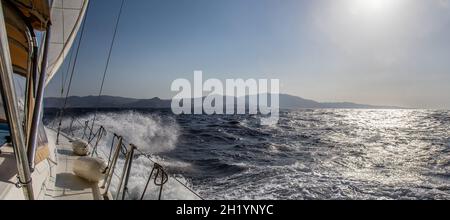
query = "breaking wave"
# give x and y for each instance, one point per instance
(152, 134)
(309, 154)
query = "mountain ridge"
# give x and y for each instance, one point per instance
(286, 102)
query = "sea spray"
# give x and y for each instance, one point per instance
(140, 173)
(312, 154)
(152, 134)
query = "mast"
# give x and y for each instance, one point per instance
(12, 112)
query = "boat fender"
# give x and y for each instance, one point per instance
(90, 169)
(80, 147)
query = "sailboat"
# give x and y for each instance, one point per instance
(35, 38)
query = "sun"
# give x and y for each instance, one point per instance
(372, 7)
(376, 5)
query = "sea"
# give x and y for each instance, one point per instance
(311, 154)
(4, 132)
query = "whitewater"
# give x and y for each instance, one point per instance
(309, 154)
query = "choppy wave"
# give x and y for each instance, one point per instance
(310, 154)
(152, 133)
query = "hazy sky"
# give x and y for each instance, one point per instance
(386, 52)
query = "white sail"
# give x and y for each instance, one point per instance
(66, 17)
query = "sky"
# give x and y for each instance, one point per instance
(380, 52)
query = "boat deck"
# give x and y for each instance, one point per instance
(52, 180)
(8, 170)
(68, 186)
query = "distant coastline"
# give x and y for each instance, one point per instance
(286, 102)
